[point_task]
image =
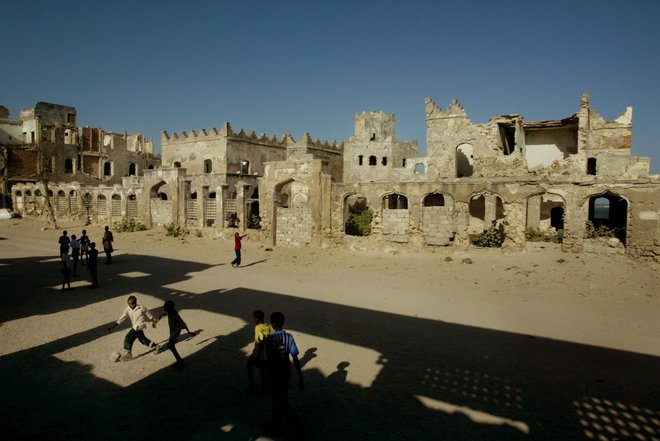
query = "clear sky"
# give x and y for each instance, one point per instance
(281, 66)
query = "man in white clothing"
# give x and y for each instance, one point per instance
(139, 316)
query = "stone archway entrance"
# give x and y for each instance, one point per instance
(292, 214)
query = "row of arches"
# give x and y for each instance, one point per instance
(544, 211)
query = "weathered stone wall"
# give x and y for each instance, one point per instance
(437, 225)
(294, 227)
(395, 225)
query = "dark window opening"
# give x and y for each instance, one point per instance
(434, 200)
(373, 137)
(360, 159)
(68, 165)
(107, 169)
(403, 163)
(508, 138)
(395, 201)
(31, 137)
(384, 161)
(193, 195)
(71, 118)
(208, 166)
(212, 195)
(245, 167)
(609, 211)
(372, 160)
(131, 169)
(557, 218)
(177, 164)
(591, 166)
(151, 167)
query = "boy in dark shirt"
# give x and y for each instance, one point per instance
(176, 324)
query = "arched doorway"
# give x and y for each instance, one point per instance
(357, 215)
(292, 215)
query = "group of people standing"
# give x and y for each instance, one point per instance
(83, 251)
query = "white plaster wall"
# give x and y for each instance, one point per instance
(543, 147)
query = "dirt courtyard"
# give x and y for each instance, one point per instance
(438, 345)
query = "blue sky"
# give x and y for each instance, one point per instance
(278, 66)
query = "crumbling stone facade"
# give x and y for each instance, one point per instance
(508, 173)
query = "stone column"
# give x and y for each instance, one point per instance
(490, 210)
(534, 212)
(241, 212)
(514, 226)
(574, 219)
(221, 195)
(461, 222)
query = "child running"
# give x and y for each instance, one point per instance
(139, 316)
(176, 324)
(258, 357)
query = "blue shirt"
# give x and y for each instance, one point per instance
(289, 342)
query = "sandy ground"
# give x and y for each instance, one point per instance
(531, 345)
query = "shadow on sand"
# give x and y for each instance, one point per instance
(437, 380)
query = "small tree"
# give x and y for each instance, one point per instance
(359, 224)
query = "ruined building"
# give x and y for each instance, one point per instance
(513, 175)
(45, 148)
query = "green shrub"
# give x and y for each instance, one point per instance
(493, 237)
(254, 221)
(359, 224)
(538, 235)
(173, 231)
(591, 231)
(129, 226)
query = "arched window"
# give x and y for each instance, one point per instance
(464, 160)
(151, 167)
(132, 169)
(107, 168)
(395, 201)
(434, 200)
(384, 160)
(177, 164)
(372, 160)
(208, 166)
(245, 167)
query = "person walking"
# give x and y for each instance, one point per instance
(237, 248)
(107, 245)
(280, 348)
(92, 265)
(139, 316)
(258, 357)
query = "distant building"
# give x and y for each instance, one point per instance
(510, 175)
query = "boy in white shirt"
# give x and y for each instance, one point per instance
(139, 316)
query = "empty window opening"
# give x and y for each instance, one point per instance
(403, 162)
(557, 218)
(107, 168)
(208, 166)
(464, 160)
(177, 164)
(150, 167)
(71, 118)
(162, 196)
(212, 195)
(395, 201)
(420, 169)
(360, 159)
(373, 137)
(507, 138)
(372, 160)
(434, 200)
(255, 193)
(68, 165)
(31, 137)
(591, 166)
(131, 169)
(384, 161)
(193, 195)
(611, 212)
(245, 167)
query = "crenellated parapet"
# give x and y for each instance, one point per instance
(226, 132)
(434, 112)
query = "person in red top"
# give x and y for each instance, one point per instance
(237, 247)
